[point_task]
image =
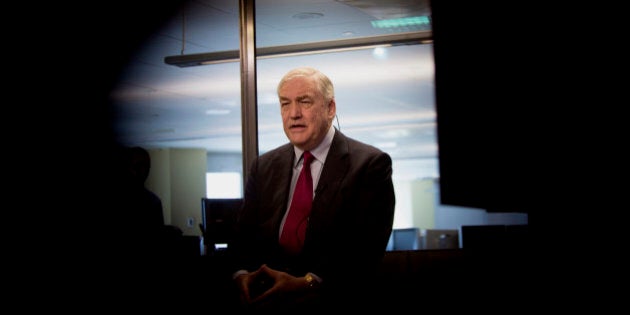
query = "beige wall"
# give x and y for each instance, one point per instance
(423, 203)
(159, 179)
(178, 177)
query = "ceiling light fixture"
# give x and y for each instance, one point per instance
(409, 38)
(217, 111)
(307, 15)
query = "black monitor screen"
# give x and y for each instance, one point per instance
(218, 217)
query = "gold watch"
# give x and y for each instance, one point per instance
(310, 280)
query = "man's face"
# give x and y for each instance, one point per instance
(306, 116)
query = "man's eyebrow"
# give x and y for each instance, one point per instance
(299, 98)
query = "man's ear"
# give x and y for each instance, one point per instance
(332, 109)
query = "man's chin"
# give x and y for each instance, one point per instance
(298, 137)
(298, 142)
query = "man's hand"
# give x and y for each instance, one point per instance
(267, 287)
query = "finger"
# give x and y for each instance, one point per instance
(255, 273)
(243, 287)
(265, 269)
(272, 273)
(245, 297)
(263, 298)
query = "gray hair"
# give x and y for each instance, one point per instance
(324, 84)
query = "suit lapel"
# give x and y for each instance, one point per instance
(335, 169)
(281, 170)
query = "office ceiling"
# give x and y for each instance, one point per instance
(387, 100)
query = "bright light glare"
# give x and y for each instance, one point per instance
(223, 185)
(379, 53)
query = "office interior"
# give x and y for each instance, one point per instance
(195, 117)
(122, 92)
(98, 62)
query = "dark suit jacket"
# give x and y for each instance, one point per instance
(351, 217)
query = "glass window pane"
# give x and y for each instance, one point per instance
(284, 22)
(167, 106)
(384, 93)
(193, 114)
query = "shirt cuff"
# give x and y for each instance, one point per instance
(317, 278)
(238, 273)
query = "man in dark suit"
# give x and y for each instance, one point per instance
(351, 213)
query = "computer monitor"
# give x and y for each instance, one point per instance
(406, 239)
(495, 237)
(218, 218)
(441, 239)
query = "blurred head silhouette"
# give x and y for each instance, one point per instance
(139, 164)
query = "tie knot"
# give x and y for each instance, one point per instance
(308, 158)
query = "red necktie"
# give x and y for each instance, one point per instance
(294, 229)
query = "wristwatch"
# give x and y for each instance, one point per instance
(310, 280)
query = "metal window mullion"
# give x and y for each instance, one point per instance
(249, 111)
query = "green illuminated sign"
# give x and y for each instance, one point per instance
(401, 22)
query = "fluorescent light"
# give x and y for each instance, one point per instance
(409, 38)
(217, 111)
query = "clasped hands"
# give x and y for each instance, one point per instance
(267, 287)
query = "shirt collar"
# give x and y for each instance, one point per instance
(321, 151)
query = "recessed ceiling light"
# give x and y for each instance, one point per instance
(379, 53)
(308, 15)
(217, 112)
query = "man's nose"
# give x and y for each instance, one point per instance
(295, 110)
